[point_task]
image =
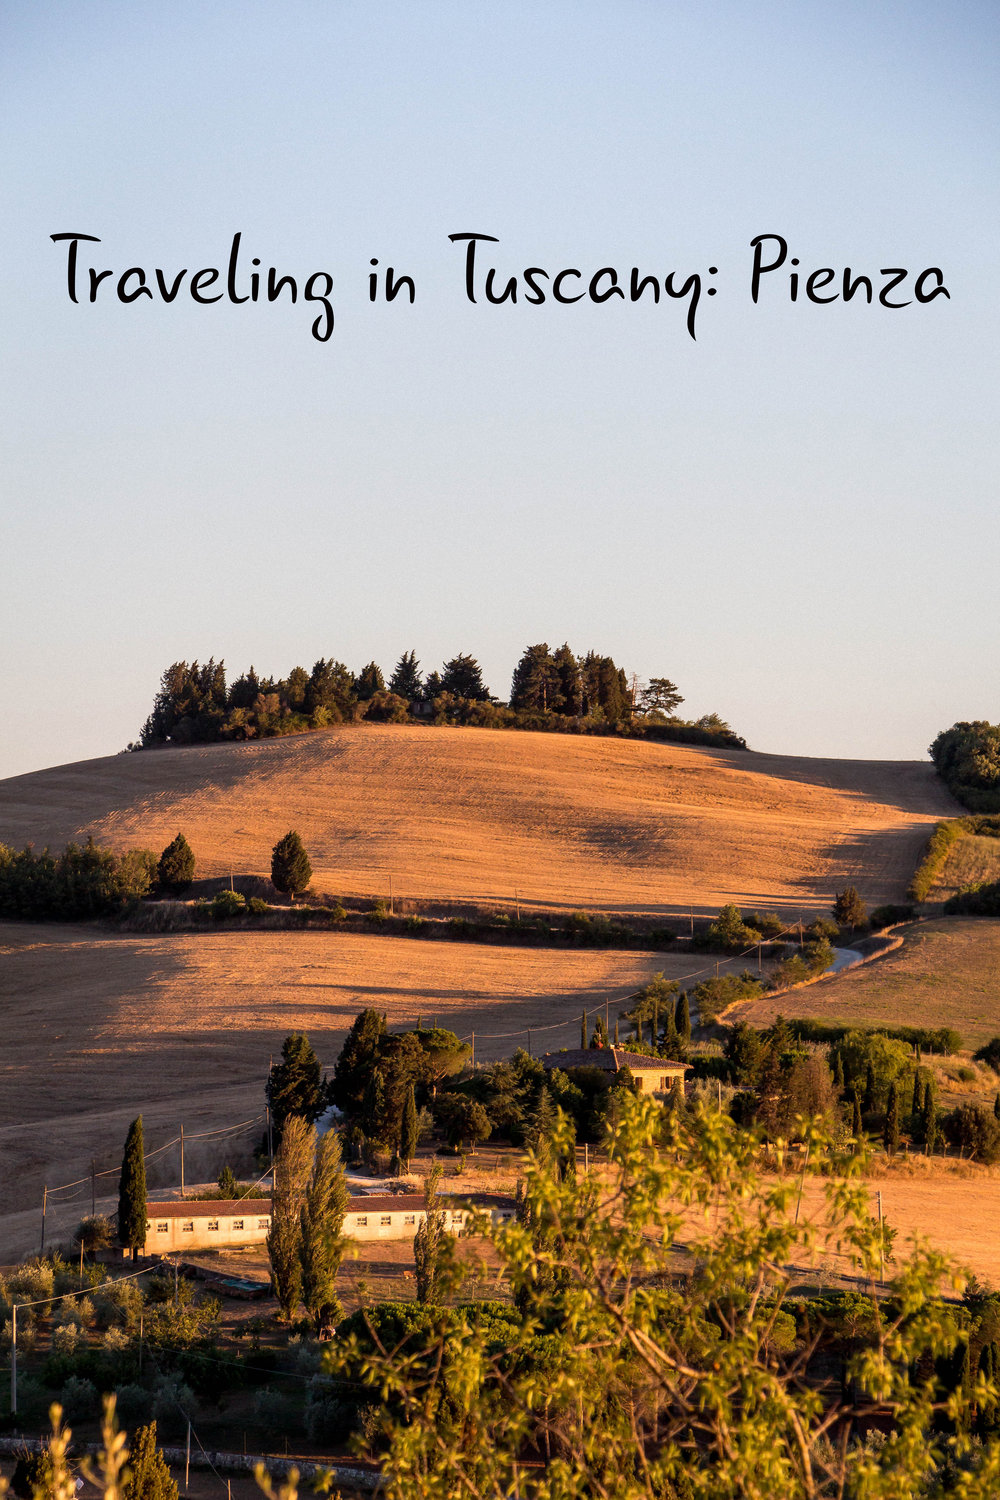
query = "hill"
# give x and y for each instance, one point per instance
(947, 973)
(100, 1026)
(476, 814)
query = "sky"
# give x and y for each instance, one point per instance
(793, 515)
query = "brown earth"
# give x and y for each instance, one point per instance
(476, 814)
(99, 1026)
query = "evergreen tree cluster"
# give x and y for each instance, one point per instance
(551, 690)
(77, 885)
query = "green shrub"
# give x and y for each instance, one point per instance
(227, 904)
(889, 914)
(982, 900)
(934, 856)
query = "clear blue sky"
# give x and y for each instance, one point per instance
(794, 517)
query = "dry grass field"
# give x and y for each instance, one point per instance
(99, 1027)
(970, 861)
(475, 814)
(947, 973)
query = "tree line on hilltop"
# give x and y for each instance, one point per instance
(967, 758)
(550, 690)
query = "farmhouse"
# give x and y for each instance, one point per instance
(225, 1223)
(654, 1075)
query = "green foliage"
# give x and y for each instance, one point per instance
(887, 1060)
(322, 1244)
(293, 1167)
(989, 1053)
(712, 996)
(608, 1379)
(357, 1058)
(175, 868)
(149, 1478)
(967, 758)
(433, 1265)
(889, 914)
(408, 1130)
(981, 900)
(929, 1039)
(225, 905)
(973, 1131)
(729, 933)
(945, 834)
(294, 1085)
(291, 871)
(849, 909)
(78, 885)
(132, 1217)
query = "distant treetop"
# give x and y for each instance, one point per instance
(551, 690)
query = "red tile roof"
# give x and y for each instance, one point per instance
(208, 1208)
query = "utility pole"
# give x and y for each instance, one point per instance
(182, 1161)
(881, 1254)
(392, 911)
(93, 1188)
(529, 1041)
(187, 1459)
(13, 1361)
(473, 1052)
(45, 1200)
(517, 904)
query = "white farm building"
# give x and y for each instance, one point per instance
(224, 1223)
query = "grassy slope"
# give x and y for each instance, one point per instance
(477, 814)
(99, 1026)
(970, 861)
(946, 974)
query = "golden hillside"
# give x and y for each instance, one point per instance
(476, 814)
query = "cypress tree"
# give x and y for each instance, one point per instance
(856, 1125)
(890, 1131)
(149, 1478)
(655, 1038)
(583, 1031)
(291, 871)
(406, 680)
(996, 1106)
(408, 1130)
(175, 870)
(373, 1113)
(682, 1018)
(617, 1042)
(868, 1102)
(918, 1095)
(132, 1191)
(671, 1041)
(838, 1072)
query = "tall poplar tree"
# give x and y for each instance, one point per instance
(322, 1223)
(132, 1219)
(293, 1167)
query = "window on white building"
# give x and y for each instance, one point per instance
(213, 1225)
(362, 1221)
(386, 1220)
(237, 1223)
(187, 1227)
(162, 1228)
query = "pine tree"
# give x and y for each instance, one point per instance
(368, 682)
(228, 1186)
(291, 871)
(849, 909)
(408, 1130)
(568, 671)
(132, 1219)
(654, 1036)
(682, 1018)
(617, 1040)
(463, 677)
(322, 1241)
(294, 1085)
(293, 1167)
(890, 1131)
(149, 1478)
(406, 681)
(541, 1123)
(175, 870)
(358, 1057)
(536, 683)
